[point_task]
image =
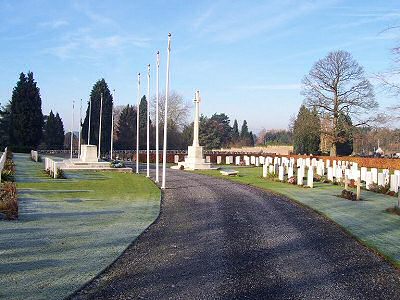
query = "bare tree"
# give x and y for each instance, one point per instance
(336, 86)
(178, 110)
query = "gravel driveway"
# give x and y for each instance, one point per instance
(220, 240)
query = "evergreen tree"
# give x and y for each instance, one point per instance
(126, 130)
(306, 132)
(100, 87)
(59, 133)
(235, 132)
(252, 139)
(26, 118)
(4, 125)
(244, 132)
(344, 143)
(224, 130)
(49, 132)
(245, 137)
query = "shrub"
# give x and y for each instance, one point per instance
(182, 167)
(381, 189)
(60, 174)
(9, 201)
(349, 195)
(117, 164)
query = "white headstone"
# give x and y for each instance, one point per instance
(265, 170)
(394, 185)
(300, 176)
(290, 172)
(310, 178)
(368, 179)
(281, 174)
(363, 173)
(237, 160)
(176, 158)
(219, 160)
(374, 172)
(381, 180)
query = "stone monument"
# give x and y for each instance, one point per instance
(89, 153)
(194, 159)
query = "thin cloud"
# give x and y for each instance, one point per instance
(54, 24)
(237, 23)
(272, 87)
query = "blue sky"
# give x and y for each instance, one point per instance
(247, 57)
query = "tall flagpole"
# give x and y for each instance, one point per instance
(101, 115)
(72, 126)
(137, 123)
(148, 120)
(166, 113)
(90, 115)
(80, 130)
(157, 95)
(112, 125)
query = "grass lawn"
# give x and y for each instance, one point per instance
(366, 220)
(69, 229)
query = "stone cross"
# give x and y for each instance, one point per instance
(196, 119)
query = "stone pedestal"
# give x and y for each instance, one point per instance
(195, 160)
(89, 153)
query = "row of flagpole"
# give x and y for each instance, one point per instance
(137, 120)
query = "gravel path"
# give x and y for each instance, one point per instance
(220, 240)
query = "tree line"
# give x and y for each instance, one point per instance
(22, 124)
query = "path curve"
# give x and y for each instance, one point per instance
(224, 240)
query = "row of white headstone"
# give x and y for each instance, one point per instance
(51, 166)
(337, 171)
(34, 155)
(334, 170)
(3, 161)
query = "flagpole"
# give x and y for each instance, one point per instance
(157, 95)
(137, 124)
(72, 126)
(166, 113)
(148, 120)
(101, 114)
(112, 125)
(80, 130)
(90, 115)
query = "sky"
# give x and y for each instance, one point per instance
(247, 58)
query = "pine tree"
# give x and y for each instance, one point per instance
(306, 132)
(26, 118)
(59, 133)
(49, 132)
(100, 87)
(344, 144)
(126, 130)
(235, 132)
(244, 132)
(4, 125)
